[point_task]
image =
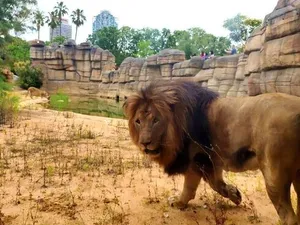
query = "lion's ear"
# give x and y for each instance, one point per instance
(130, 106)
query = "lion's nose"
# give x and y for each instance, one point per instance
(146, 143)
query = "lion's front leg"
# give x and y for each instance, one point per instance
(191, 182)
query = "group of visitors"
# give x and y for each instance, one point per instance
(209, 55)
(205, 55)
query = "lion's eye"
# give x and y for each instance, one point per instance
(138, 121)
(155, 120)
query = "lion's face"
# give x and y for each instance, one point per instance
(45, 94)
(156, 126)
(150, 127)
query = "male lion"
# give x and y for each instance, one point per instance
(190, 130)
(32, 91)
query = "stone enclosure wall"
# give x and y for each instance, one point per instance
(270, 63)
(75, 69)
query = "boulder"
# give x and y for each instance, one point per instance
(37, 43)
(169, 56)
(69, 43)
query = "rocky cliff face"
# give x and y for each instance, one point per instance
(270, 63)
(75, 69)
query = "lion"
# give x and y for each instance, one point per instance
(190, 130)
(32, 91)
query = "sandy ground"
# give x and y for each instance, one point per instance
(66, 168)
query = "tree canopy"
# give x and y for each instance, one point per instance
(39, 20)
(13, 16)
(241, 27)
(60, 10)
(126, 41)
(78, 19)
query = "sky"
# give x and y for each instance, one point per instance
(175, 15)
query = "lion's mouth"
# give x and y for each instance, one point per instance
(152, 152)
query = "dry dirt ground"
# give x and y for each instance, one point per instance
(66, 168)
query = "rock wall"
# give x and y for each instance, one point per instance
(75, 69)
(270, 63)
(280, 52)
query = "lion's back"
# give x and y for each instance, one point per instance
(36, 92)
(276, 121)
(264, 119)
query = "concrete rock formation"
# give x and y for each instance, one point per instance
(76, 69)
(270, 63)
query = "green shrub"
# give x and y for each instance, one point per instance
(4, 86)
(58, 39)
(59, 101)
(9, 107)
(29, 77)
(14, 49)
(18, 50)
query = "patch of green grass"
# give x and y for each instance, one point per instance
(4, 86)
(96, 107)
(59, 101)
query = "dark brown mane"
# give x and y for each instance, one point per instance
(184, 104)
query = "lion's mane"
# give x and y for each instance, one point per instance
(184, 105)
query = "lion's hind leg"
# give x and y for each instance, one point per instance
(278, 185)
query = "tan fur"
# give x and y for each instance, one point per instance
(32, 91)
(268, 125)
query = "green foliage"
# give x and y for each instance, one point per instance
(58, 39)
(144, 49)
(9, 107)
(52, 21)
(108, 38)
(13, 50)
(78, 19)
(4, 86)
(59, 101)
(241, 27)
(13, 16)
(91, 106)
(195, 40)
(252, 24)
(16, 50)
(167, 39)
(29, 77)
(126, 41)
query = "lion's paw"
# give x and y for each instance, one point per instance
(234, 194)
(176, 203)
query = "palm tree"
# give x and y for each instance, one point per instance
(78, 19)
(60, 10)
(39, 20)
(52, 22)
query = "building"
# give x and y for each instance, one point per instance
(66, 30)
(104, 19)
